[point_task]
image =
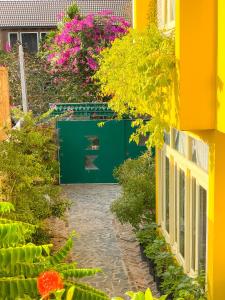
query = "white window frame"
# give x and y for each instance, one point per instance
(9, 36)
(191, 170)
(166, 22)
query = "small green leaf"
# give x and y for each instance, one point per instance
(148, 295)
(101, 124)
(70, 293)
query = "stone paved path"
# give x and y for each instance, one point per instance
(104, 243)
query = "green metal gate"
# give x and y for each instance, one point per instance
(89, 153)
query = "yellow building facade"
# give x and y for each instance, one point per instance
(191, 166)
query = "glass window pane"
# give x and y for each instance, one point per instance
(180, 142)
(182, 213)
(167, 196)
(200, 154)
(162, 185)
(93, 143)
(202, 228)
(193, 227)
(43, 35)
(29, 41)
(167, 138)
(89, 162)
(175, 200)
(165, 11)
(13, 39)
(172, 10)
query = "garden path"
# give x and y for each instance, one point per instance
(104, 243)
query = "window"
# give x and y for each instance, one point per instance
(181, 216)
(180, 141)
(13, 39)
(93, 142)
(183, 196)
(167, 12)
(167, 195)
(175, 204)
(202, 229)
(89, 162)
(167, 138)
(30, 41)
(193, 225)
(43, 36)
(200, 153)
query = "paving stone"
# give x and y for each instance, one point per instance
(103, 242)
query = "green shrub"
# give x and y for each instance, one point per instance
(29, 170)
(174, 281)
(21, 263)
(147, 234)
(137, 202)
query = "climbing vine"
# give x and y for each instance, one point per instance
(138, 72)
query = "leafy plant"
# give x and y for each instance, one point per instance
(42, 87)
(147, 295)
(141, 80)
(137, 202)
(29, 170)
(147, 234)
(22, 263)
(173, 281)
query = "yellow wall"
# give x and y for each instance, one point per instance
(221, 67)
(196, 60)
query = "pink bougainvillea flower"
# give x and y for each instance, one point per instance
(8, 47)
(49, 282)
(92, 63)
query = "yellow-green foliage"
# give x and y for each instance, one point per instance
(138, 71)
(22, 262)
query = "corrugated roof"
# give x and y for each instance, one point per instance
(44, 13)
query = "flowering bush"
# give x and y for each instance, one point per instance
(73, 49)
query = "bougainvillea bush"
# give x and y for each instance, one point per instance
(72, 50)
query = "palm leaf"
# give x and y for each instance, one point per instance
(85, 292)
(6, 207)
(63, 252)
(12, 288)
(12, 234)
(27, 253)
(79, 273)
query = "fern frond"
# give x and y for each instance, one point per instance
(79, 273)
(65, 266)
(26, 269)
(27, 253)
(86, 292)
(12, 234)
(6, 207)
(62, 253)
(12, 288)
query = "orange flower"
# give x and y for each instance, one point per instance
(48, 282)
